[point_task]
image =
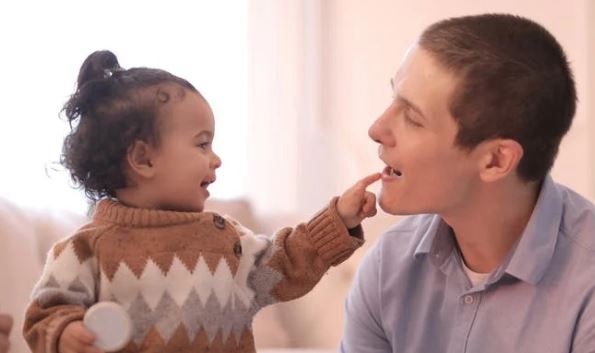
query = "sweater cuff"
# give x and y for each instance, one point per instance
(333, 241)
(57, 326)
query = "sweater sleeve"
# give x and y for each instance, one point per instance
(291, 262)
(66, 288)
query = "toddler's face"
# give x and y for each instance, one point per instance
(185, 162)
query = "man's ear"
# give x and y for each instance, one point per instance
(139, 157)
(499, 158)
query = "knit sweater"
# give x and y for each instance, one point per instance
(191, 282)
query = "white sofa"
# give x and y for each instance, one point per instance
(310, 324)
(25, 237)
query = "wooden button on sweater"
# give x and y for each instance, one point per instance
(219, 221)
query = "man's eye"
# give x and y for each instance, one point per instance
(410, 120)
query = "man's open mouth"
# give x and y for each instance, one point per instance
(391, 172)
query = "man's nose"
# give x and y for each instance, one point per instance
(375, 130)
(381, 132)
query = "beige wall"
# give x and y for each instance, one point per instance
(365, 43)
(320, 76)
(590, 25)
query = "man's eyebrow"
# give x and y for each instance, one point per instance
(405, 100)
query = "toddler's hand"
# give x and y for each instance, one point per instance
(356, 203)
(76, 338)
(5, 328)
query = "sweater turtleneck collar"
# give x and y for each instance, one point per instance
(112, 211)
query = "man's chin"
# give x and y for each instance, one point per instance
(390, 208)
(393, 207)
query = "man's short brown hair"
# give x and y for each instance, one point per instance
(515, 82)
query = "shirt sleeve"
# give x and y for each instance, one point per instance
(363, 330)
(64, 291)
(291, 262)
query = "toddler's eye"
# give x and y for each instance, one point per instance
(203, 145)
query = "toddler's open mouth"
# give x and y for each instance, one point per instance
(206, 183)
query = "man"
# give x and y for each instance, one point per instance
(498, 257)
(5, 327)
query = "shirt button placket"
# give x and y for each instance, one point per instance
(469, 306)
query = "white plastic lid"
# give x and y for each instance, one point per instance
(111, 325)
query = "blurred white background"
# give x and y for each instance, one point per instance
(45, 42)
(294, 84)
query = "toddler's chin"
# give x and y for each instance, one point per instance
(200, 206)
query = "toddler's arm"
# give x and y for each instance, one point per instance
(65, 290)
(291, 263)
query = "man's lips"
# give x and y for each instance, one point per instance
(388, 172)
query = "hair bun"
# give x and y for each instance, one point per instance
(98, 65)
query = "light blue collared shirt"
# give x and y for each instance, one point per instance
(412, 295)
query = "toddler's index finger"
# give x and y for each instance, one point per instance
(368, 180)
(5, 323)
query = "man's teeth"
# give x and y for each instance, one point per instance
(395, 172)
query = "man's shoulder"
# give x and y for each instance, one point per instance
(574, 200)
(578, 219)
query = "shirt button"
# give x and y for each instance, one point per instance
(468, 299)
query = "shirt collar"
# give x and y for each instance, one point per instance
(436, 240)
(532, 254)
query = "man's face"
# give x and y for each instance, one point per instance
(425, 172)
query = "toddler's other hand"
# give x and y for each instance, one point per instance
(356, 203)
(76, 338)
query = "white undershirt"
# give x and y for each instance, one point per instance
(475, 277)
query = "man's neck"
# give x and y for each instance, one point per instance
(489, 226)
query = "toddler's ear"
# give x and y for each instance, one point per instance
(138, 157)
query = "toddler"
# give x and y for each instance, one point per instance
(191, 281)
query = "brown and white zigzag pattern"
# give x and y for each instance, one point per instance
(198, 299)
